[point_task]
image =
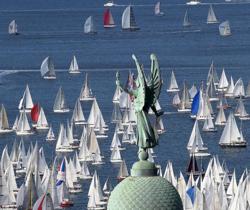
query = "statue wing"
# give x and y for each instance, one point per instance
(140, 95)
(155, 81)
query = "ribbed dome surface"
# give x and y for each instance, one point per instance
(145, 193)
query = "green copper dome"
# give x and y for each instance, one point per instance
(145, 193)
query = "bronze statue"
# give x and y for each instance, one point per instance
(145, 95)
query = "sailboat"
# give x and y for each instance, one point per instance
(62, 144)
(26, 102)
(78, 116)
(211, 18)
(231, 136)
(110, 3)
(89, 26)
(212, 75)
(42, 123)
(48, 69)
(74, 68)
(193, 166)
(223, 83)
(173, 86)
(12, 29)
(186, 21)
(241, 111)
(23, 127)
(128, 19)
(239, 90)
(159, 126)
(50, 135)
(123, 171)
(108, 20)
(115, 155)
(158, 9)
(220, 119)
(248, 90)
(185, 105)
(195, 143)
(209, 125)
(4, 123)
(193, 2)
(86, 93)
(60, 104)
(176, 100)
(230, 89)
(224, 28)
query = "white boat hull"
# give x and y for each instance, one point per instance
(24, 133)
(5, 131)
(49, 77)
(61, 110)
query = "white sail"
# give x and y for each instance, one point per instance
(186, 21)
(212, 75)
(78, 116)
(42, 122)
(209, 124)
(223, 83)
(115, 155)
(23, 127)
(48, 69)
(4, 123)
(193, 91)
(13, 27)
(74, 68)
(117, 94)
(123, 170)
(224, 28)
(173, 86)
(176, 100)
(62, 144)
(231, 135)
(158, 9)
(128, 19)
(239, 90)
(26, 101)
(86, 93)
(195, 139)
(89, 26)
(211, 17)
(230, 89)
(60, 104)
(50, 135)
(220, 119)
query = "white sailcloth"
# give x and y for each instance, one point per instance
(89, 26)
(74, 68)
(211, 17)
(128, 19)
(231, 135)
(12, 29)
(48, 69)
(224, 28)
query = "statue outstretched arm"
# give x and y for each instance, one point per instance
(129, 91)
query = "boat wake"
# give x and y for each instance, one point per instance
(4, 73)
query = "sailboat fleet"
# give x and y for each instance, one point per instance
(128, 23)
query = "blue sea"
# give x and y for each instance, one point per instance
(55, 28)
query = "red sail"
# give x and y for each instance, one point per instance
(35, 112)
(106, 17)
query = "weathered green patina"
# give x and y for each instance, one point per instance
(145, 96)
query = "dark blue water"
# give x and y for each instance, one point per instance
(55, 28)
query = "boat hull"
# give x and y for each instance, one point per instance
(244, 144)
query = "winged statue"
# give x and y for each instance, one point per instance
(145, 95)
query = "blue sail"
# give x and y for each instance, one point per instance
(195, 104)
(191, 193)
